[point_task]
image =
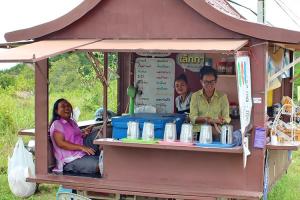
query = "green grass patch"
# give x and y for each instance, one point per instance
(288, 187)
(43, 192)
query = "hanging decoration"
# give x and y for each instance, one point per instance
(245, 98)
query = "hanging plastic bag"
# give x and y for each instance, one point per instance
(76, 114)
(101, 163)
(20, 167)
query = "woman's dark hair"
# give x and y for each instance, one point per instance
(55, 116)
(208, 71)
(181, 77)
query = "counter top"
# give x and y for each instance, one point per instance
(294, 146)
(81, 124)
(118, 143)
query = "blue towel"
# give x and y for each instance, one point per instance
(237, 138)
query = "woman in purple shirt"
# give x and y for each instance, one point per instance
(73, 149)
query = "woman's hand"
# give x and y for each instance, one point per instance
(211, 121)
(87, 130)
(88, 150)
(220, 120)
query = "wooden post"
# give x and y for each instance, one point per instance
(105, 117)
(41, 117)
(124, 60)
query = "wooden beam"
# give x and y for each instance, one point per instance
(287, 67)
(105, 117)
(41, 117)
(145, 189)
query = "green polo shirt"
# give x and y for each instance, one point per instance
(200, 107)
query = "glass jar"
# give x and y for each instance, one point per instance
(222, 66)
(230, 63)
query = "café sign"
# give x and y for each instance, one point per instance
(192, 61)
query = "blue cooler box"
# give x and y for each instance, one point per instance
(119, 124)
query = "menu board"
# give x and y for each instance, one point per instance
(154, 79)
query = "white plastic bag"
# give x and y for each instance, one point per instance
(76, 114)
(20, 167)
(101, 163)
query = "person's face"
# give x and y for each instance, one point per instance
(64, 109)
(209, 82)
(181, 87)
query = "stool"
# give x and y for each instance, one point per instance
(71, 196)
(61, 189)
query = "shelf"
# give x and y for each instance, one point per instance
(294, 146)
(81, 124)
(112, 142)
(227, 75)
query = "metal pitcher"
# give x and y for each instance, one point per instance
(148, 131)
(186, 134)
(226, 134)
(133, 130)
(205, 134)
(170, 132)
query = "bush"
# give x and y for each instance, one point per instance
(6, 80)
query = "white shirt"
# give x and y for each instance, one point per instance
(183, 105)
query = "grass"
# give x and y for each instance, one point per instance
(288, 188)
(44, 191)
(17, 112)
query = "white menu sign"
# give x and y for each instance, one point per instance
(245, 97)
(155, 78)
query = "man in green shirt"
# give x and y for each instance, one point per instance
(208, 106)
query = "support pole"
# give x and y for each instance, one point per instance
(41, 117)
(261, 11)
(105, 116)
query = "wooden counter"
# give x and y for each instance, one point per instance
(111, 142)
(143, 189)
(81, 124)
(164, 171)
(190, 169)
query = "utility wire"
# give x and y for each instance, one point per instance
(247, 8)
(286, 12)
(243, 6)
(290, 10)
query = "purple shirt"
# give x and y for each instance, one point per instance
(71, 132)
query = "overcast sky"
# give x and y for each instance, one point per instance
(274, 14)
(19, 14)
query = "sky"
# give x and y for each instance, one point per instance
(274, 14)
(20, 14)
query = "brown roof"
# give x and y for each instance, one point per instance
(217, 12)
(255, 30)
(40, 50)
(175, 45)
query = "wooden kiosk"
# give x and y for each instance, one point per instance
(168, 26)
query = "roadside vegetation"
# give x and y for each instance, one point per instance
(72, 77)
